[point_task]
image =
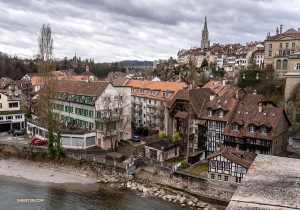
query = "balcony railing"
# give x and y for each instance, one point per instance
(107, 119)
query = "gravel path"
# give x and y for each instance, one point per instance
(42, 173)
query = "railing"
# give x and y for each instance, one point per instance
(107, 119)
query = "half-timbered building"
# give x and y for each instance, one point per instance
(228, 164)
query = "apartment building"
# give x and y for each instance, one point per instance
(149, 103)
(278, 48)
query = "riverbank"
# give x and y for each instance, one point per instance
(44, 172)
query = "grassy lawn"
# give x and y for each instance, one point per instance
(175, 160)
(198, 169)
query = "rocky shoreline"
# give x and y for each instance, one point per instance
(61, 173)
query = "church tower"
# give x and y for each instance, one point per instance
(205, 41)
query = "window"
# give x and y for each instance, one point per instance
(212, 176)
(1, 118)
(88, 100)
(226, 166)
(226, 178)
(293, 45)
(278, 64)
(210, 112)
(263, 130)
(252, 128)
(213, 163)
(286, 45)
(219, 177)
(270, 46)
(297, 67)
(149, 101)
(220, 165)
(19, 117)
(13, 105)
(280, 46)
(238, 179)
(284, 64)
(78, 98)
(164, 95)
(270, 53)
(280, 52)
(0, 105)
(221, 113)
(236, 127)
(9, 117)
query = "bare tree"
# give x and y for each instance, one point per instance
(115, 115)
(160, 115)
(46, 66)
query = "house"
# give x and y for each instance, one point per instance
(258, 129)
(10, 114)
(229, 165)
(162, 150)
(149, 99)
(19, 88)
(97, 107)
(271, 183)
(90, 76)
(184, 109)
(278, 48)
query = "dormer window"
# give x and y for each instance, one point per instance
(210, 112)
(263, 130)
(88, 100)
(236, 127)
(221, 113)
(78, 98)
(252, 128)
(70, 97)
(164, 95)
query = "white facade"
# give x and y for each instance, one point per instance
(120, 101)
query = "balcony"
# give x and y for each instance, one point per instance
(107, 119)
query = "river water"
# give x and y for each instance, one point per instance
(18, 193)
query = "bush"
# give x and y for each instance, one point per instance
(184, 164)
(176, 137)
(162, 135)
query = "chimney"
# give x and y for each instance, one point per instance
(260, 107)
(224, 82)
(254, 92)
(237, 147)
(277, 31)
(193, 82)
(211, 96)
(191, 86)
(237, 95)
(280, 29)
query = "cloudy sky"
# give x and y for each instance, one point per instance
(114, 30)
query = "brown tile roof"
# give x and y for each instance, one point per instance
(196, 97)
(290, 32)
(239, 157)
(226, 104)
(255, 99)
(182, 115)
(245, 115)
(151, 85)
(119, 81)
(81, 88)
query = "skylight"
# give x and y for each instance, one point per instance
(239, 111)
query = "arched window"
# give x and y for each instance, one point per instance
(298, 66)
(278, 64)
(284, 64)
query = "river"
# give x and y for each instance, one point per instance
(19, 193)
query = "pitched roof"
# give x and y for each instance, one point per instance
(119, 81)
(161, 86)
(250, 114)
(94, 88)
(239, 157)
(255, 99)
(290, 32)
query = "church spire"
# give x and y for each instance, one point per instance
(205, 38)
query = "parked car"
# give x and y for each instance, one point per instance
(19, 132)
(135, 138)
(11, 131)
(34, 139)
(40, 142)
